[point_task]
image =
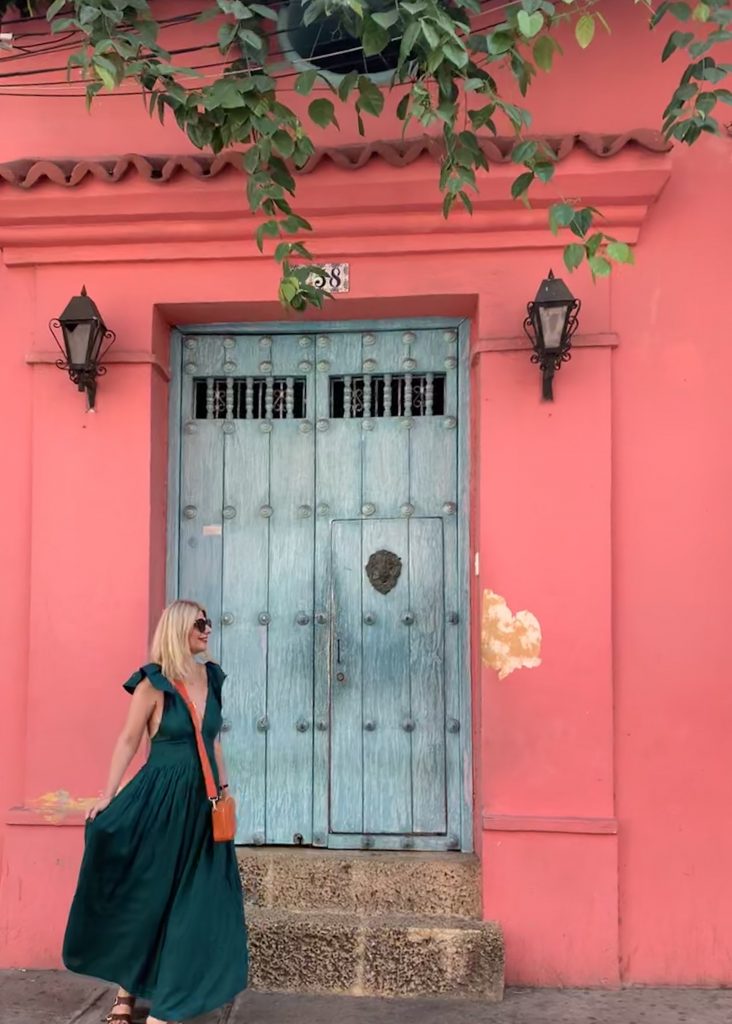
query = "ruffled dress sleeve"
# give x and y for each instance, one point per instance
(216, 676)
(152, 672)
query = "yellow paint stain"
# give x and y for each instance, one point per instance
(507, 641)
(55, 807)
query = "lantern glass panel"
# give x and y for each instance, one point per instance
(77, 337)
(553, 320)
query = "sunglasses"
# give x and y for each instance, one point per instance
(202, 625)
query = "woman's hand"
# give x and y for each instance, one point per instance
(97, 807)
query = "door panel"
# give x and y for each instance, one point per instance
(389, 732)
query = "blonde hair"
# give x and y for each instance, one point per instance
(170, 645)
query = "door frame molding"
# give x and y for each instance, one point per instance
(462, 325)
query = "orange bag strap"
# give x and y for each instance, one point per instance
(208, 777)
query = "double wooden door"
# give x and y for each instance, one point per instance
(319, 521)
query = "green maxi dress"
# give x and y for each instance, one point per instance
(158, 907)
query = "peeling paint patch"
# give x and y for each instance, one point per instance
(55, 807)
(507, 641)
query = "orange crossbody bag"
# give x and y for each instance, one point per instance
(223, 808)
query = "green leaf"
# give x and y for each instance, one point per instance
(408, 40)
(574, 253)
(227, 34)
(347, 85)
(371, 99)
(63, 25)
(585, 30)
(724, 96)
(374, 38)
(403, 107)
(54, 9)
(676, 41)
(544, 53)
(524, 151)
(269, 229)
(499, 42)
(620, 252)
(430, 34)
(706, 102)
(322, 112)
(386, 18)
(682, 12)
(285, 143)
(581, 222)
(561, 215)
(456, 54)
(530, 24)
(250, 41)
(594, 242)
(702, 12)
(544, 170)
(305, 82)
(483, 117)
(107, 78)
(269, 13)
(289, 288)
(521, 184)
(599, 266)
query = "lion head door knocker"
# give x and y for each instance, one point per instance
(383, 570)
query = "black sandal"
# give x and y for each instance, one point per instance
(121, 1018)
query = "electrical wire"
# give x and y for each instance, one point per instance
(174, 21)
(139, 92)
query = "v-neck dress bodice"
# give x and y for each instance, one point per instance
(158, 907)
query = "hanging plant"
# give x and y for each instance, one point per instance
(444, 66)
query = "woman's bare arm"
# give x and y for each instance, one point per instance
(221, 763)
(141, 709)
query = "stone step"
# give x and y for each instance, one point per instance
(361, 882)
(385, 955)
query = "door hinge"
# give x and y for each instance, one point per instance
(477, 563)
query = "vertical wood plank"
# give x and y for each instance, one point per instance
(290, 670)
(245, 593)
(434, 484)
(387, 749)
(201, 488)
(338, 478)
(426, 664)
(386, 697)
(346, 758)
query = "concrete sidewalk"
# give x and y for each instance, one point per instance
(50, 997)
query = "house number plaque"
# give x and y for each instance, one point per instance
(333, 279)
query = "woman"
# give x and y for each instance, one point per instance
(158, 908)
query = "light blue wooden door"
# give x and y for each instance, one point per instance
(319, 520)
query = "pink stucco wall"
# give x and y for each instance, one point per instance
(601, 778)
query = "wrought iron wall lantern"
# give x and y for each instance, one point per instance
(550, 324)
(86, 340)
